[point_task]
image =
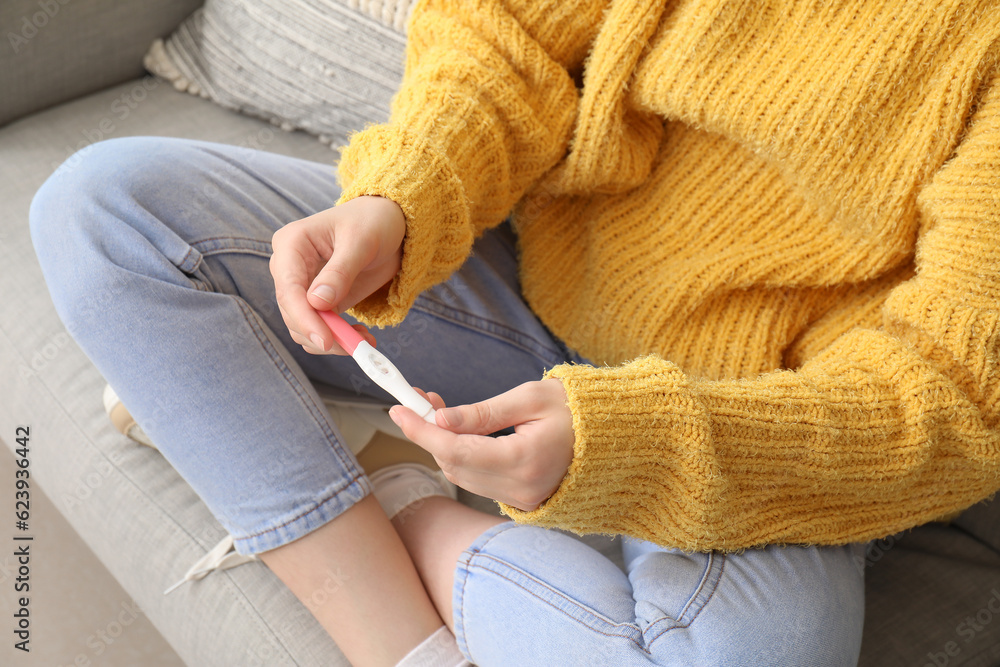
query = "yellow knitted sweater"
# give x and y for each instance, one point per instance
(773, 226)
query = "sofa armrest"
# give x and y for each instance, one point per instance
(58, 50)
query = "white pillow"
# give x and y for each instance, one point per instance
(328, 67)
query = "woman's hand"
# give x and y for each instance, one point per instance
(331, 261)
(522, 469)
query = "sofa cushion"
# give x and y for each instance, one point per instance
(140, 518)
(322, 66)
(933, 597)
(58, 50)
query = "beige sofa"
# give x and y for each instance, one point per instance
(71, 75)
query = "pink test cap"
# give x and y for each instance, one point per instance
(343, 333)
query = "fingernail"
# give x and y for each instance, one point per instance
(318, 341)
(326, 293)
(451, 418)
(392, 413)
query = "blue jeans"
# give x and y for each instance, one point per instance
(156, 254)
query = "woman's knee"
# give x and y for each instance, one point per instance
(106, 174)
(779, 606)
(86, 215)
(121, 165)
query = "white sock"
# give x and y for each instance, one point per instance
(403, 484)
(438, 650)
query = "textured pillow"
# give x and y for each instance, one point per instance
(328, 67)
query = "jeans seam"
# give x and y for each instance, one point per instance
(319, 505)
(460, 635)
(488, 327)
(564, 597)
(701, 585)
(679, 622)
(250, 317)
(237, 244)
(184, 260)
(303, 397)
(470, 565)
(293, 383)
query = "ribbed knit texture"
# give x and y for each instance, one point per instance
(774, 227)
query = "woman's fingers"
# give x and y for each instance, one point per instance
(486, 466)
(290, 265)
(521, 469)
(451, 450)
(365, 253)
(365, 333)
(330, 261)
(432, 397)
(436, 400)
(510, 408)
(335, 279)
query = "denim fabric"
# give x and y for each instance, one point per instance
(528, 596)
(155, 252)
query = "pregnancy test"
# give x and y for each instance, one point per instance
(376, 366)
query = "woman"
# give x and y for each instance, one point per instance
(756, 261)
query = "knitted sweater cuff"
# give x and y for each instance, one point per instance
(635, 434)
(390, 161)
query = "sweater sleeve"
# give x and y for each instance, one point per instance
(885, 429)
(486, 106)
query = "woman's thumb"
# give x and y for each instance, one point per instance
(334, 280)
